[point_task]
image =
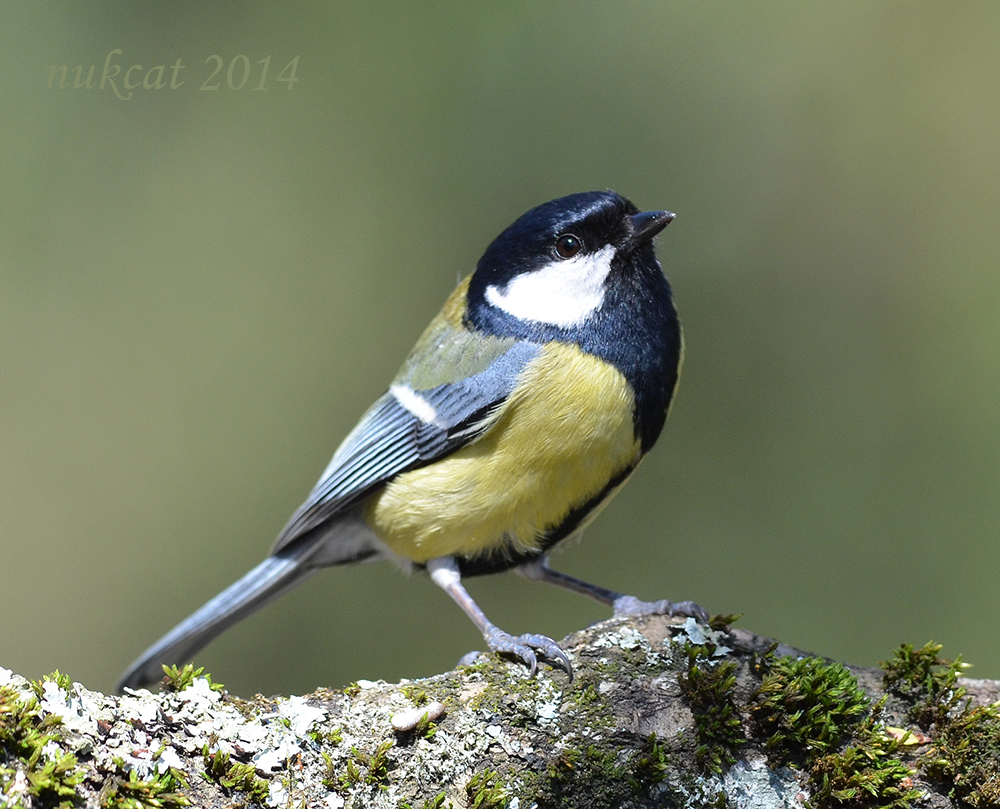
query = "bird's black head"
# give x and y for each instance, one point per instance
(551, 266)
(581, 269)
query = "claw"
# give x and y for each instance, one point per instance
(445, 574)
(550, 650)
(529, 657)
(630, 605)
(524, 647)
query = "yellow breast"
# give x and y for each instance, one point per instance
(564, 433)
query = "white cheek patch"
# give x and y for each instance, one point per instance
(562, 293)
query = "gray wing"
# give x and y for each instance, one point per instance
(422, 418)
(406, 429)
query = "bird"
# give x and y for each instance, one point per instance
(527, 403)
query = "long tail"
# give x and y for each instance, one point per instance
(273, 577)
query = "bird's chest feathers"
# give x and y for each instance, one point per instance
(564, 433)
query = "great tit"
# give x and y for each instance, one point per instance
(527, 403)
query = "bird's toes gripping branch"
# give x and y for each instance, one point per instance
(525, 648)
(630, 605)
(445, 574)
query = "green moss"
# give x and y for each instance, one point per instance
(485, 790)
(709, 686)
(588, 707)
(966, 756)
(425, 728)
(560, 768)
(437, 802)
(64, 681)
(966, 753)
(612, 776)
(52, 779)
(415, 694)
(805, 706)
(813, 711)
(867, 774)
(176, 678)
(592, 764)
(378, 764)
(54, 782)
(587, 695)
(234, 776)
(23, 729)
(649, 767)
(352, 774)
(125, 790)
(329, 779)
(928, 682)
(334, 737)
(369, 769)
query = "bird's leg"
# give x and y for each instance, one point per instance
(444, 573)
(539, 570)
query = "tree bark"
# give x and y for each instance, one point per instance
(661, 712)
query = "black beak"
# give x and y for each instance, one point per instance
(647, 224)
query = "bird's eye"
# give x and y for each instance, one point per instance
(568, 245)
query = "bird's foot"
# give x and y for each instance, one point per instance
(525, 648)
(630, 605)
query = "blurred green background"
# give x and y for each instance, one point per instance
(201, 291)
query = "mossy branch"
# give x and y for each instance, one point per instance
(663, 712)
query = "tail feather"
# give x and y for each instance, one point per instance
(271, 578)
